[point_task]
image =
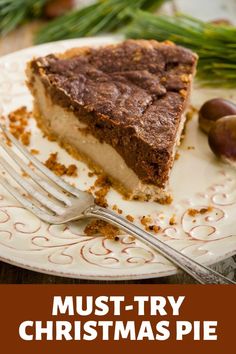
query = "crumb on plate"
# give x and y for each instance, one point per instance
(193, 212)
(177, 156)
(103, 184)
(96, 227)
(172, 220)
(18, 123)
(34, 152)
(58, 168)
(130, 218)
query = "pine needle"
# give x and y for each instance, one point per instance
(15, 12)
(103, 16)
(215, 44)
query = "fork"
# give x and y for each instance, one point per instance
(57, 202)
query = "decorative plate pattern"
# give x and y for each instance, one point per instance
(198, 182)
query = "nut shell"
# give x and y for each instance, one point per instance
(222, 138)
(213, 110)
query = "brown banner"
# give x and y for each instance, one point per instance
(171, 319)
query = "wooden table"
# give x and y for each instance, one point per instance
(19, 39)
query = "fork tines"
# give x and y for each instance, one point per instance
(54, 195)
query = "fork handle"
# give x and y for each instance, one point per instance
(202, 274)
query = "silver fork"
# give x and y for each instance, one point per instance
(63, 203)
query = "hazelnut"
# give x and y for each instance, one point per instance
(213, 110)
(55, 8)
(222, 138)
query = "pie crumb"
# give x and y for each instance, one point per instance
(95, 227)
(25, 138)
(58, 168)
(130, 218)
(172, 220)
(190, 112)
(34, 152)
(177, 156)
(154, 228)
(18, 122)
(193, 212)
(145, 220)
(91, 174)
(103, 184)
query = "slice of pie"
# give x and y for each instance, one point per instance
(120, 108)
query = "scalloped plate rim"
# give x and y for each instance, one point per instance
(104, 277)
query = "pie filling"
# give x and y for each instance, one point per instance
(137, 143)
(65, 127)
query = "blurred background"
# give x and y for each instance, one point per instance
(23, 22)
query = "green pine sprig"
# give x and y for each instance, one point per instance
(103, 16)
(215, 44)
(15, 12)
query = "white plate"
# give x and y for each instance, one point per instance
(198, 180)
